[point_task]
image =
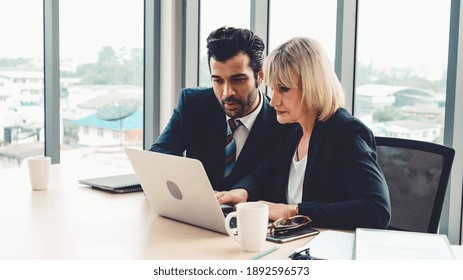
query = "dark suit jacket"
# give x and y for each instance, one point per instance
(343, 187)
(198, 125)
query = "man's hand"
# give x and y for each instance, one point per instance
(232, 197)
(279, 210)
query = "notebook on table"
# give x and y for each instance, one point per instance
(178, 188)
(378, 244)
(117, 184)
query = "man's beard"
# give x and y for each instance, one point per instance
(243, 107)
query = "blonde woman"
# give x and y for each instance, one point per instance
(327, 168)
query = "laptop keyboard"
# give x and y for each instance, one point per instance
(227, 209)
(233, 223)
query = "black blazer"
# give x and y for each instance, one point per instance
(198, 125)
(343, 187)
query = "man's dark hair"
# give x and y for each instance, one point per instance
(226, 42)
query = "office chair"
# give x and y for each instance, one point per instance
(417, 174)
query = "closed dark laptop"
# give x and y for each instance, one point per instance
(118, 184)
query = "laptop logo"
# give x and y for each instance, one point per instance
(174, 190)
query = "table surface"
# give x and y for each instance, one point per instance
(73, 221)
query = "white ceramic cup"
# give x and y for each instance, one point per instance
(39, 172)
(252, 221)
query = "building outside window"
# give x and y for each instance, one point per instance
(21, 81)
(101, 63)
(402, 67)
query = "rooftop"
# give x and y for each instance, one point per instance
(132, 122)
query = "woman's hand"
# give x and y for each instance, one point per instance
(280, 210)
(232, 197)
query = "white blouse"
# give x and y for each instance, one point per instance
(296, 180)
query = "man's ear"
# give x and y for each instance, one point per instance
(260, 77)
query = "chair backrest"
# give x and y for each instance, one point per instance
(417, 174)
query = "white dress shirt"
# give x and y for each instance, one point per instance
(241, 133)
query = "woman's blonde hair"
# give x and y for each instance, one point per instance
(321, 89)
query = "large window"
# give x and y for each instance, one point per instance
(312, 18)
(401, 67)
(101, 62)
(21, 81)
(215, 14)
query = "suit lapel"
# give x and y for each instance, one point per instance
(217, 129)
(285, 165)
(255, 136)
(314, 146)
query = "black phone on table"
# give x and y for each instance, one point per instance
(290, 235)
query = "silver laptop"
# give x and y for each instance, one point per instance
(178, 188)
(116, 184)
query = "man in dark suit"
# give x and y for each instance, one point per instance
(233, 107)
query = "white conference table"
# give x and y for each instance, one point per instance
(73, 221)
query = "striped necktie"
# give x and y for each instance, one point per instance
(230, 147)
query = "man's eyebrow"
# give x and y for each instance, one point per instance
(239, 76)
(233, 76)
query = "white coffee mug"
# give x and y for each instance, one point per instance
(252, 221)
(39, 172)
